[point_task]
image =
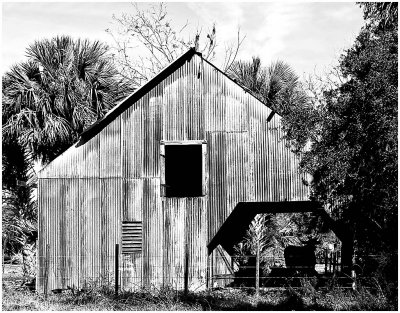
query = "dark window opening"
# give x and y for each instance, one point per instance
(183, 170)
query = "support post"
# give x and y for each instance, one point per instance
(186, 279)
(116, 269)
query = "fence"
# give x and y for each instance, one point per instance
(242, 271)
(132, 272)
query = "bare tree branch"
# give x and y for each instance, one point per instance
(145, 42)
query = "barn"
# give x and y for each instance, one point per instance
(172, 175)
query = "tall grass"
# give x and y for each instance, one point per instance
(306, 297)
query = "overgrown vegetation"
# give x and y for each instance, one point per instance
(304, 298)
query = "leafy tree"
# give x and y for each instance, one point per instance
(355, 158)
(147, 41)
(18, 201)
(353, 151)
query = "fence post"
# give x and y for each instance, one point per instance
(208, 272)
(46, 271)
(353, 273)
(116, 268)
(211, 269)
(334, 262)
(186, 278)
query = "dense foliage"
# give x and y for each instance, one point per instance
(63, 88)
(352, 142)
(47, 101)
(353, 154)
(346, 136)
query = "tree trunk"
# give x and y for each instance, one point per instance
(258, 269)
(4, 250)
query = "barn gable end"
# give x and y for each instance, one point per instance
(114, 175)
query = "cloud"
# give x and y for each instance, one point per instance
(302, 34)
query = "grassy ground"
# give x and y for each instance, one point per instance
(306, 298)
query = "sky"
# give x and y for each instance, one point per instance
(309, 36)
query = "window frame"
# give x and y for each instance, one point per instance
(203, 144)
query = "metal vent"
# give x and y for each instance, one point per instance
(131, 237)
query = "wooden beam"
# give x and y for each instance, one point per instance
(228, 265)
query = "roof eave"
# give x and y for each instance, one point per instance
(94, 129)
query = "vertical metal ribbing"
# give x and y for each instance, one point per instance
(245, 163)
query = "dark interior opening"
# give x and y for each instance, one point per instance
(183, 170)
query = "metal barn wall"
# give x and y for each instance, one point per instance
(86, 193)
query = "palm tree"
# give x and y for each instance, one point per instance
(276, 85)
(63, 88)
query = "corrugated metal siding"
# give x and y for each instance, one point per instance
(215, 102)
(132, 141)
(133, 200)
(116, 176)
(236, 113)
(110, 231)
(174, 238)
(110, 150)
(153, 229)
(90, 223)
(72, 243)
(196, 235)
(217, 204)
(76, 162)
(132, 271)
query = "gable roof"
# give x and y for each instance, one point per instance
(100, 124)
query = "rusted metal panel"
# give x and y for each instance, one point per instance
(151, 133)
(196, 235)
(110, 150)
(214, 100)
(53, 254)
(132, 200)
(69, 233)
(236, 113)
(76, 162)
(132, 269)
(236, 161)
(90, 223)
(217, 205)
(185, 229)
(153, 228)
(110, 225)
(174, 241)
(194, 110)
(132, 150)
